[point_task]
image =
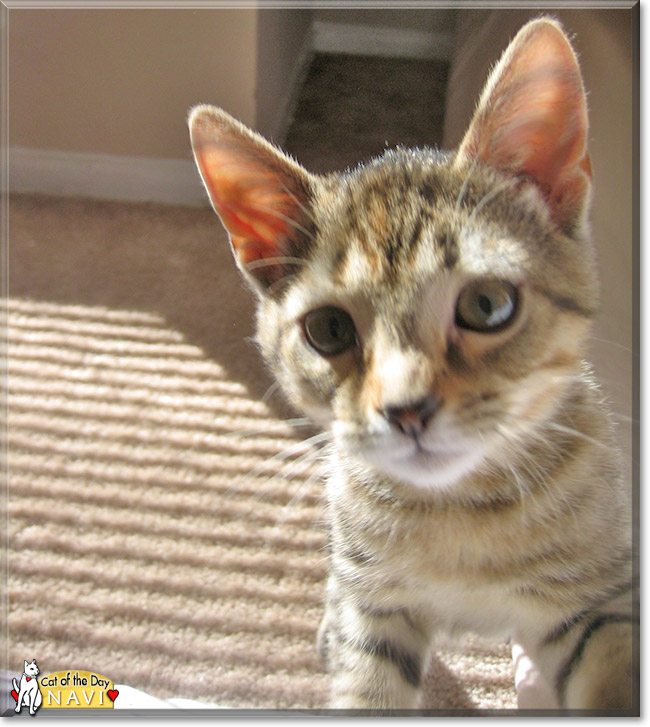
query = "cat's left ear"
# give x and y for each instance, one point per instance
(532, 120)
(261, 195)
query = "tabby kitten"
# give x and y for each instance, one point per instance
(431, 311)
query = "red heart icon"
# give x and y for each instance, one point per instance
(112, 693)
(14, 694)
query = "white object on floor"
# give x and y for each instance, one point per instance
(532, 690)
(130, 698)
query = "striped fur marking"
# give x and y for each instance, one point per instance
(563, 629)
(409, 664)
(564, 674)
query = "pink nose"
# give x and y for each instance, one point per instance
(413, 418)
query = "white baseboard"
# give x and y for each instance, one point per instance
(369, 40)
(104, 176)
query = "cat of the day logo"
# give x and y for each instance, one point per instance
(63, 690)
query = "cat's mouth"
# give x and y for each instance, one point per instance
(430, 458)
(437, 468)
(425, 455)
(421, 464)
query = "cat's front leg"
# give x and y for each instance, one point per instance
(376, 656)
(23, 699)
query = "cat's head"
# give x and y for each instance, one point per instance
(430, 309)
(31, 669)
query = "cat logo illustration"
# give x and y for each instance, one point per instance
(28, 692)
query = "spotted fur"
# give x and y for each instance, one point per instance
(474, 482)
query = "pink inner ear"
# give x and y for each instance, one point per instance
(541, 128)
(250, 201)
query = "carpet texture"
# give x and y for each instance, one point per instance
(164, 505)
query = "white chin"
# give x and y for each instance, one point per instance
(426, 469)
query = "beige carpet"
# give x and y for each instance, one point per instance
(164, 518)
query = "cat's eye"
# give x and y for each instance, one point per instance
(486, 305)
(329, 330)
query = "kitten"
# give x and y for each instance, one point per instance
(28, 693)
(431, 311)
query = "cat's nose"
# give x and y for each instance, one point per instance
(412, 419)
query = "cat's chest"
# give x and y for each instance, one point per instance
(424, 542)
(467, 568)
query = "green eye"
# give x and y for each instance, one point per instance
(486, 305)
(329, 330)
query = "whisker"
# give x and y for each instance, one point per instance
(491, 195)
(463, 189)
(521, 488)
(289, 467)
(279, 260)
(568, 378)
(285, 472)
(612, 343)
(492, 468)
(243, 433)
(272, 289)
(308, 213)
(285, 218)
(300, 494)
(523, 462)
(540, 480)
(288, 452)
(461, 195)
(576, 433)
(270, 391)
(556, 426)
(625, 418)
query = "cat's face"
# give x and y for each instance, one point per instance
(427, 330)
(31, 670)
(430, 310)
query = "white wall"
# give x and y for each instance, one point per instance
(121, 81)
(98, 99)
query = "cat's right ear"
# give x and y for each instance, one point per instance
(261, 195)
